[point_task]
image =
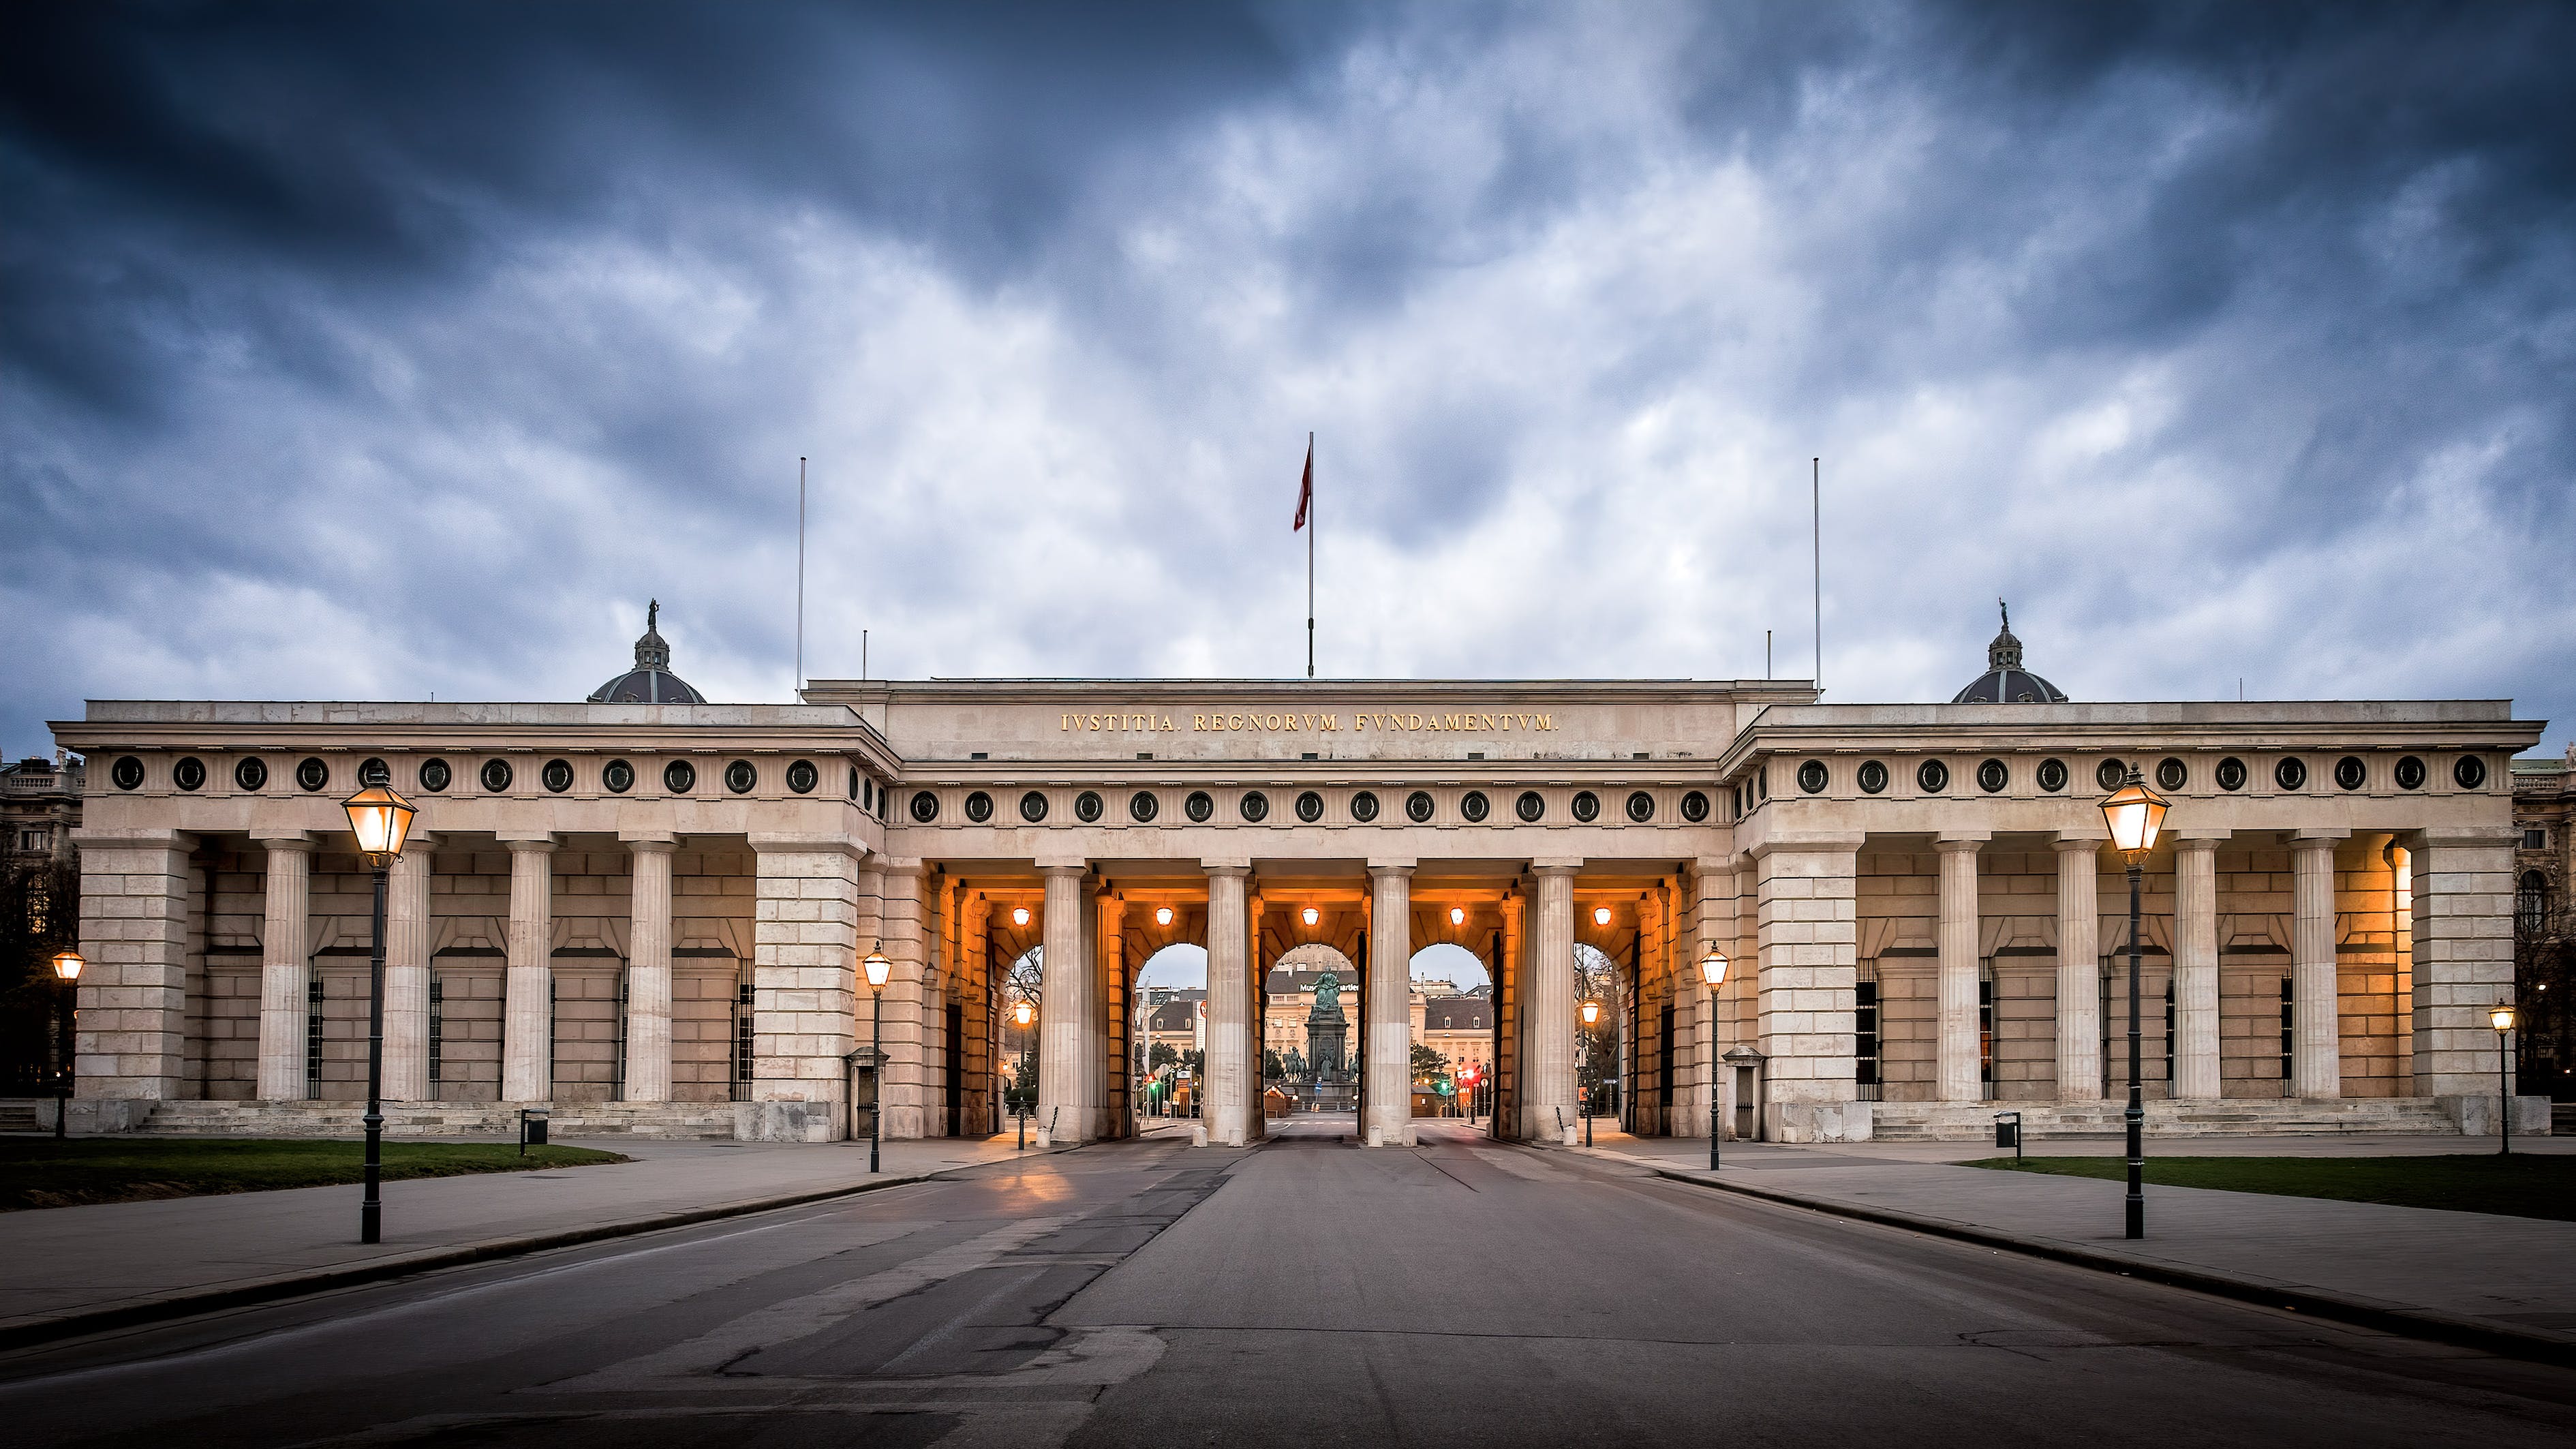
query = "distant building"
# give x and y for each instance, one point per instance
(2544, 923)
(40, 807)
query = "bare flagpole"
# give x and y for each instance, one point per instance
(800, 576)
(1310, 568)
(1816, 503)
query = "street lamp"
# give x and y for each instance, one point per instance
(381, 819)
(1712, 969)
(1591, 1015)
(67, 970)
(2502, 1019)
(878, 969)
(2135, 814)
(1023, 1013)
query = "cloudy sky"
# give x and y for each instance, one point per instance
(383, 351)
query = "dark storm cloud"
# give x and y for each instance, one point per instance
(516, 314)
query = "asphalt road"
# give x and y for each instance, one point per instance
(1305, 1293)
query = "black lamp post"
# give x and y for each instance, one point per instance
(1591, 1067)
(67, 970)
(878, 969)
(1023, 1013)
(2501, 1018)
(1712, 969)
(382, 821)
(2136, 814)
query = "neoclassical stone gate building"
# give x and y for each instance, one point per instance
(650, 914)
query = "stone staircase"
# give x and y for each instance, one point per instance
(20, 1114)
(2284, 1117)
(663, 1120)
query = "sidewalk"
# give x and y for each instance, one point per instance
(77, 1269)
(2503, 1283)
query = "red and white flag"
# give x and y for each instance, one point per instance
(1306, 489)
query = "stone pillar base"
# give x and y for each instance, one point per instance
(101, 1116)
(1820, 1122)
(2475, 1115)
(1408, 1137)
(789, 1121)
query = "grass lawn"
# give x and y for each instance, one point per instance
(2517, 1186)
(39, 1172)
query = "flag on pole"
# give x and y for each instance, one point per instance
(1306, 489)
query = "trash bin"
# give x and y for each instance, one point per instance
(532, 1127)
(2008, 1131)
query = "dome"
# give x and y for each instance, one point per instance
(651, 680)
(2005, 681)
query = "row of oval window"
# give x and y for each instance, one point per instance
(1254, 806)
(2290, 773)
(314, 773)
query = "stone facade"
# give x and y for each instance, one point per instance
(659, 907)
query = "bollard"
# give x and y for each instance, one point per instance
(532, 1128)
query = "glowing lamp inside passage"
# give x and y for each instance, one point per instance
(1310, 915)
(1457, 915)
(1600, 915)
(1162, 915)
(1019, 915)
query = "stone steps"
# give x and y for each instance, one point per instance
(18, 1114)
(2288, 1117)
(664, 1120)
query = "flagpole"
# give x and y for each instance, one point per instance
(800, 578)
(1311, 526)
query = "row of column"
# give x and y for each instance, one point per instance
(1230, 1093)
(527, 1016)
(2317, 1061)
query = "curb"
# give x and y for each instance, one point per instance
(2314, 1302)
(27, 1332)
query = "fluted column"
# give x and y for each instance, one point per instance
(2316, 1061)
(1957, 1056)
(1064, 1010)
(1549, 1098)
(407, 972)
(2196, 970)
(1389, 1005)
(648, 974)
(282, 967)
(527, 1007)
(1226, 1113)
(2079, 970)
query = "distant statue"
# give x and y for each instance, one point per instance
(1328, 995)
(652, 616)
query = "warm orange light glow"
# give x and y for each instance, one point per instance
(381, 819)
(1023, 1013)
(1162, 915)
(2502, 1016)
(68, 964)
(1591, 1012)
(1310, 915)
(1019, 915)
(2135, 814)
(1712, 968)
(878, 968)
(1600, 915)
(1457, 915)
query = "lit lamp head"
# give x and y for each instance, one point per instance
(1023, 1013)
(2502, 1016)
(381, 819)
(1591, 1012)
(877, 967)
(1457, 915)
(1019, 915)
(1712, 968)
(1600, 915)
(1310, 915)
(67, 965)
(1162, 915)
(2135, 814)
